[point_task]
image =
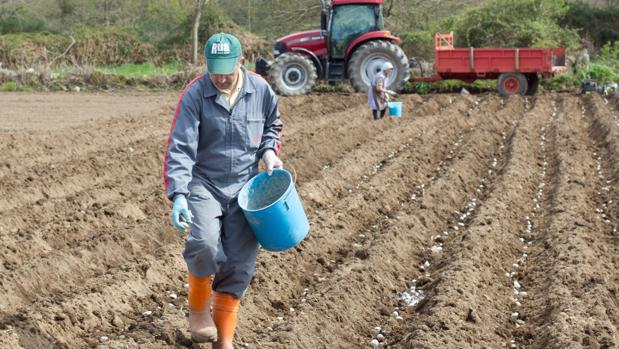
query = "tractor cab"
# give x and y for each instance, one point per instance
(344, 21)
(351, 44)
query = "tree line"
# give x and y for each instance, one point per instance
(168, 25)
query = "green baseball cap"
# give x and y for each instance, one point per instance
(222, 52)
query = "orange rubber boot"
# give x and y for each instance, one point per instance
(225, 310)
(201, 323)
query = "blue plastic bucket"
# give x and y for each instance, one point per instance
(274, 211)
(395, 109)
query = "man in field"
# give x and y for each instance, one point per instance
(225, 122)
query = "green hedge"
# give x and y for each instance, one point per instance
(418, 44)
(514, 23)
(600, 25)
(93, 46)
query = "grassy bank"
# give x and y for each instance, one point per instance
(123, 77)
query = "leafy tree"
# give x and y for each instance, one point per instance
(15, 17)
(600, 25)
(515, 23)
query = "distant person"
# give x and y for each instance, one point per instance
(225, 122)
(378, 94)
(581, 61)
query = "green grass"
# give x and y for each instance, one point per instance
(9, 86)
(125, 70)
(443, 86)
(133, 70)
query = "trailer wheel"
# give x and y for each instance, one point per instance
(533, 84)
(512, 83)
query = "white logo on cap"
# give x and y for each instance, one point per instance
(220, 48)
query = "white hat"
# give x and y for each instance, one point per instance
(387, 66)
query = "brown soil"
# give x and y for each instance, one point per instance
(511, 204)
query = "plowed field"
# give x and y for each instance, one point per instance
(476, 222)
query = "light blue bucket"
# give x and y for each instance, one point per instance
(395, 109)
(274, 211)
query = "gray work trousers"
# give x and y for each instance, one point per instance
(221, 241)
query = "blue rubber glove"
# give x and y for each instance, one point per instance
(181, 216)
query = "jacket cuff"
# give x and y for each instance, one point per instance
(261, 151)
(172, 193)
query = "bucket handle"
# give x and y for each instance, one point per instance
(294, 174)
(294, 183)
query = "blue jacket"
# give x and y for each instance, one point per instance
(220, 144)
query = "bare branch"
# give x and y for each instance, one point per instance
(64, 53)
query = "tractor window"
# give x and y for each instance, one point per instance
(349, 22)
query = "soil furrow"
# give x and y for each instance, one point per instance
(467, 295)
(604, 132)
(425, 227)
(572, 270)
(23, 147)
(270, 303)
(29, 152)
(364, 280)
(42, 177)
(70, 263)
(84, 208)
(76, 203)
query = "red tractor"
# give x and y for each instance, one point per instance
(351, 44)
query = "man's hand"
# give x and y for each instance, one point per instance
(271, 161)
(181, 216)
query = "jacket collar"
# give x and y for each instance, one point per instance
(210, 90)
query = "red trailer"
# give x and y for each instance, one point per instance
(517, 70)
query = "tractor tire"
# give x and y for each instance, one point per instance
(292, 74)
(510, 84)
(368, 59)
(533, 84)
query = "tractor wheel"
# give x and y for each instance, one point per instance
(533, 84)
(368, 59)
(510, 84)
(292, 74)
